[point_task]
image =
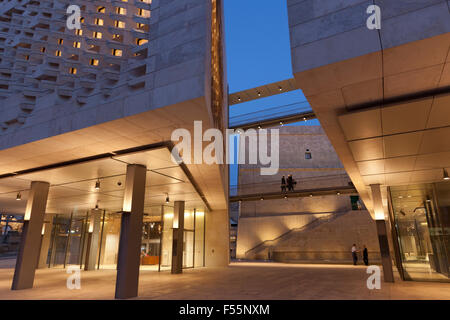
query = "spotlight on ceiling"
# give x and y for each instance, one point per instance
(280, 88)
(259, 94)
(304, 119)
(446, 177)
(97, 185)
(338, 193)
(96, 206)
(167, 199)
(262, 198)
(285, 197)
(239, 98)
(311, 195)
(18, 196)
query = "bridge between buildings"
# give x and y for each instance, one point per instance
(273, 116)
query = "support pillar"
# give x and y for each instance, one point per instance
(128, 262)
(92, 240)
(382, 233)
(27, 257)
(178, 232)
(45, 242)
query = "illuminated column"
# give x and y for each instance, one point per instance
(382, 233)
(178, 231)
(27, 258)
(128, 262)
(92, 241)
(46, 236)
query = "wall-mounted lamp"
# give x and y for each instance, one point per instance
(446, 177)
(167, 198)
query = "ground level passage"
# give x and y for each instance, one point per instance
(238, 281)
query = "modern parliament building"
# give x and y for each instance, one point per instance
(86, 117)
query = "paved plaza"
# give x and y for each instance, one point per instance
(240, 281)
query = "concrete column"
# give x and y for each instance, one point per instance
(382, 233)
(128, 262)
(92, 240)
(45, 242)
(217, 234)
(27, 258)
(178, 232)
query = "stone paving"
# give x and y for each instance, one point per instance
(242, 280)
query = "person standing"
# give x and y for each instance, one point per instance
(365, 256)
(354, 254)
(289, 183)
(283, 184)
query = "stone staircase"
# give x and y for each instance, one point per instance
(260, 251)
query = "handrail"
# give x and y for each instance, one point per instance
(329, 218)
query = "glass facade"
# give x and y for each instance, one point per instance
(69, 239)
(422, 223)
(10, 234)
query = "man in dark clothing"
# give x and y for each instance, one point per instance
(283, 184)
(354, 254)
(290, 183)
(365, 256)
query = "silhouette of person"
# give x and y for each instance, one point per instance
(290, 183)
(365, 256)
(354, 254)
(283, 184)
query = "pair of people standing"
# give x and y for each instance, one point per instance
(288, 183)
(355, 255)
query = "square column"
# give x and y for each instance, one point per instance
(382, 233)
(27, 258)
(128, 261)
(92, 240)
(178, 233)
(45, 242)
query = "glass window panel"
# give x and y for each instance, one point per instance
(199, 238)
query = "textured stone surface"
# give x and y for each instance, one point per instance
(240, 281)
(39, 93)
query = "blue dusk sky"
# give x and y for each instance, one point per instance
(258, 53)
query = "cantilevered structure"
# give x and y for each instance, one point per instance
(86, 117)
